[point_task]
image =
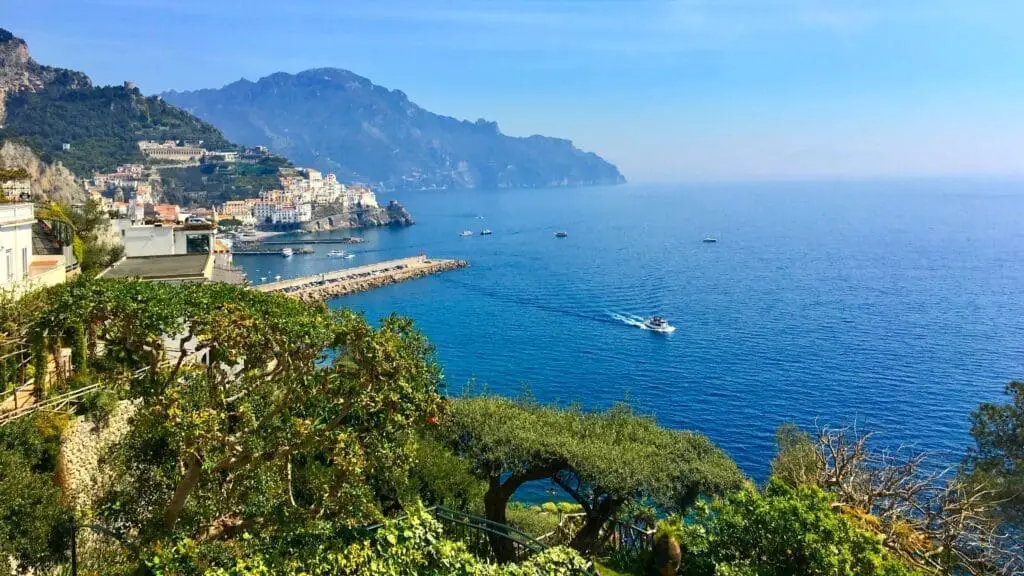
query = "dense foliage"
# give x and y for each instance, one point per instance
(412, 546)
(33, 519)
(278, 416)
(998, 431)
(221, 181)
(335, 120)
(781, 531)
(601, 459)
(102, 124)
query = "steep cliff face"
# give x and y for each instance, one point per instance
(49, 181)
(338, 121)
(20, 73)
(394, 214)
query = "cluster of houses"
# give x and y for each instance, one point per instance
(161, 241)
(297, 199)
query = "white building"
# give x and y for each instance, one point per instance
(305, 212)
(286, 214)
(156, 240)
(20, 270)
(262, 211)
(367, 199)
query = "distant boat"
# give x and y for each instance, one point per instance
(287, 252)
(561, 234)
(278, 277)
(349, 256)
(486, 232)
(658, 324)
(263, 278)
(336, 253)
(465, 233)
(709, 240)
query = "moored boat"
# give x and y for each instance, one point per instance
(336, 253)
(561, 234)
(486, 232)
(465, 233)
(287, 252)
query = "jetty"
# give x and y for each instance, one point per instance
(345, 240)
(361, 278)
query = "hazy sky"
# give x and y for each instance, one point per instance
(666, 89)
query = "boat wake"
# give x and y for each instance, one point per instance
(636, 321)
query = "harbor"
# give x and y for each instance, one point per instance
(329, 285)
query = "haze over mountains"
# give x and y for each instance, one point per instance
(338, 121)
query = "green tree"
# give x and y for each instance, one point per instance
(601, 459)
(796, 460)
(782, 531)
(299, 414)
(998, 458)
(33, 519)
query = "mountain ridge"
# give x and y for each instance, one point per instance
(337, 120)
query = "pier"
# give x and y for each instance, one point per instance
(360, 279)
(346, 240)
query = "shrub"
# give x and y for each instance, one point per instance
(780, 532)
(98, 406)
(532, 522)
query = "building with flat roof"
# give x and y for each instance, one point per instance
(173, 268)
(21, 269)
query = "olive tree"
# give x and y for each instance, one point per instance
(294, 413)
(601, 459)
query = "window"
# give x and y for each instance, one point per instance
(10, 265)
(26, 265)
(197, 244)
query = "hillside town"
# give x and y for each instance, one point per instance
(128, 191)
(156, 239)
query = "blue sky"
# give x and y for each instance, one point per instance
(670, 90)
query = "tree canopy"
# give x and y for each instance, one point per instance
(601, 459)
(294, 413)
(998, 459)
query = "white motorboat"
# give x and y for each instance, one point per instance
(486, 232)
(287, 252)
(349, 256)
(336, 253)
(465, 233)
(658, 324)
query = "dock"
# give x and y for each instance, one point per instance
(329, 285)
(346, 240)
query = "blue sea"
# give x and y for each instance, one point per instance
(895, 306)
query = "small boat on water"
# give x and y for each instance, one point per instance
(287, 252)
(561, 234)
(658, 324)
(277, 278)
(465, 233)
(709, 240)
(486, 232)
(336, 253)
(349, 256)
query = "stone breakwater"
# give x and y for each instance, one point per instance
(353, 280)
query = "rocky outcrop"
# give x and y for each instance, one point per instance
(394, 214)
(19, 72)
(51, 182)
